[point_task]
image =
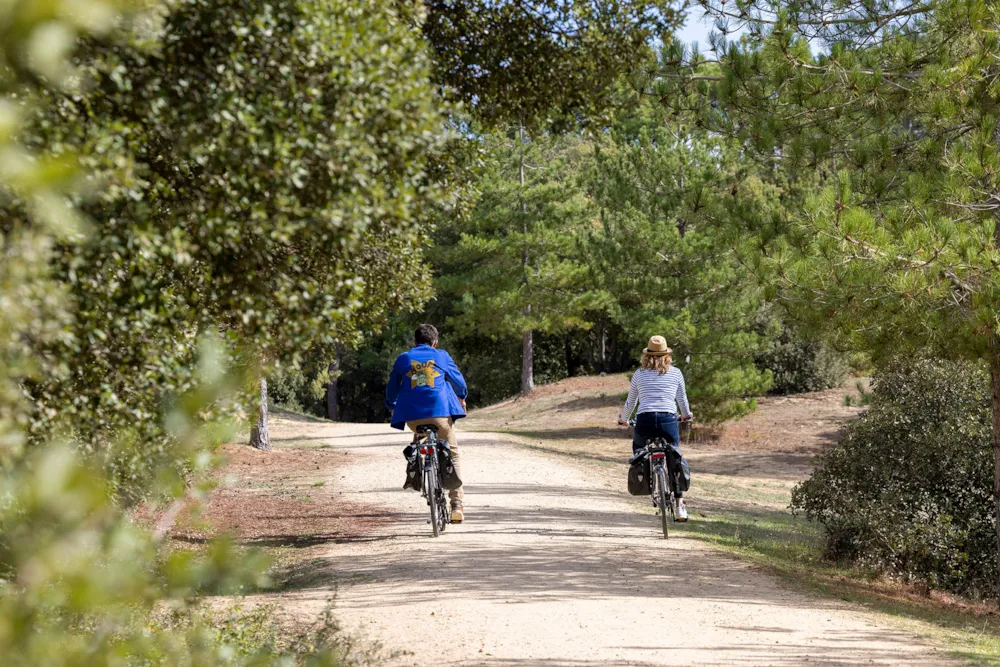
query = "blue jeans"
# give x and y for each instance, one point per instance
(650, 425)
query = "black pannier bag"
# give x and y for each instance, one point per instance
(449, 478)
(639, 478)
(414, 475)
(681, 468)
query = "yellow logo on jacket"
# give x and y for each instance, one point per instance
(422, 375)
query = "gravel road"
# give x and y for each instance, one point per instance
(553, 567)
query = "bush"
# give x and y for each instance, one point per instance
(798, 364)
(302, 388)
(909, 491)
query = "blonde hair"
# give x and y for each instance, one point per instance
(657, 362)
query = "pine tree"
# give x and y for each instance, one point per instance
(513, 267)
(896, 105)
(664, 254)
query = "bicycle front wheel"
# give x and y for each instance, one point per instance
(661, 491)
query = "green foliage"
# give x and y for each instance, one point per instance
(513, 266)
(267, 167)
(84, 585)
(798, 363)
(608, 241)
(909, 490)
(898, 247)
(302, 388)
(360, 377)
(663, 253)
(547, 62)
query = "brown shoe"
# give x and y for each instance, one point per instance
(456, 511)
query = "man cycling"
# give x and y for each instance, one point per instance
(426, 387)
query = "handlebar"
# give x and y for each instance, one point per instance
(682, 420)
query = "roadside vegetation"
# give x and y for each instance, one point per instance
(756, 525)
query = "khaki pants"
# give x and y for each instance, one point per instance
(445, 432)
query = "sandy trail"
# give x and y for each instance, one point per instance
(553, 568)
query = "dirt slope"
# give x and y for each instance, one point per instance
(555, 565)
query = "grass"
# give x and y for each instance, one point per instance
(749, 521)
(293, 413)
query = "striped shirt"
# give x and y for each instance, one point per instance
(657, 393)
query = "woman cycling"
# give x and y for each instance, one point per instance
(658, 387)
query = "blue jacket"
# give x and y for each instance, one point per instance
(424, 383)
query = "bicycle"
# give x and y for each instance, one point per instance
(427, 460)
(664, 495)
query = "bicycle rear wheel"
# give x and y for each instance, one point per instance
(432, 496)
(661, 491)
(443, 517)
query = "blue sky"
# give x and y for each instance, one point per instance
(696, 29)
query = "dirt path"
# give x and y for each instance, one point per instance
(555, 567)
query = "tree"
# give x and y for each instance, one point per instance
(664, 252)
(514, 267)
(541, 63)
(105, 601)
(256, 155)
(895, 105)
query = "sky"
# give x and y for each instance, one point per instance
(696, 29)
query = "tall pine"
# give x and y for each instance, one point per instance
(665, 255)
(896, 105)
(513, 267)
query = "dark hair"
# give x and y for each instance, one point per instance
(426, 334)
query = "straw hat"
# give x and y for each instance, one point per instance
(657, 347)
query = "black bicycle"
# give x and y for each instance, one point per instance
(664, 477)
(427, 460)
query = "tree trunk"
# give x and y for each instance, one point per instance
(332, 396)
(527, 346)
(604, 349)
(259, 436)
(995, 382)
(571, 364)
(527, 361)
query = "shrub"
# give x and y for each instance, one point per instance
(909, 490)
(798, 364)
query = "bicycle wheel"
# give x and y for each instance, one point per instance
(442, 510)
(432, 491)
(673, 495)
(661, 491)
